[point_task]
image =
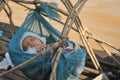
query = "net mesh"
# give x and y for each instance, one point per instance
(70, 65)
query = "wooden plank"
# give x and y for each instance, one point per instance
(17, 75)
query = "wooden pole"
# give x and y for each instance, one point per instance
(101, 41)
(9, 14)
(3, 3)
(103, 63)
(89, 50)
(77, 24)
(109, 54)
(66, 30)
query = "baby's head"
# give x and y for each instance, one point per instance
(31, 42)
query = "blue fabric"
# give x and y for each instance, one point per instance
(70, 65)
(1, 33)
(49, 12)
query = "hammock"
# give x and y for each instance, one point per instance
(70, 65)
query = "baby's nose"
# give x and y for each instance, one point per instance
(31, 44)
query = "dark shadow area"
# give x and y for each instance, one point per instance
(108, 65)
(7, 29)
(4, 40)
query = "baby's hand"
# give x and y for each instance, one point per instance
(40, 47)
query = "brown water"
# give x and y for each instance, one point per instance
(102, 17)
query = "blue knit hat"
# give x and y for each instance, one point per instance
(26, 34)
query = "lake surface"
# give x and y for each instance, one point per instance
(102, 17)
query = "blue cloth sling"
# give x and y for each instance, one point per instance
(70, 65)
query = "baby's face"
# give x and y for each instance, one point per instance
(32, 42)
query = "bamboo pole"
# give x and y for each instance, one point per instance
(104, 42)
(69, 20)
(3, 3)
(75, 22)
(67, 2)
(24, 5)
(83, 77)
(66, 30)
(89, 47)
(69, 7)
(54, 65)
(104, 63)
(92, 70)
(40, 2)
(101, 44)
(9, 14)
(109, 54)
(98, 72)
(101, 41)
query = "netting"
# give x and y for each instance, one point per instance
(70, 64)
